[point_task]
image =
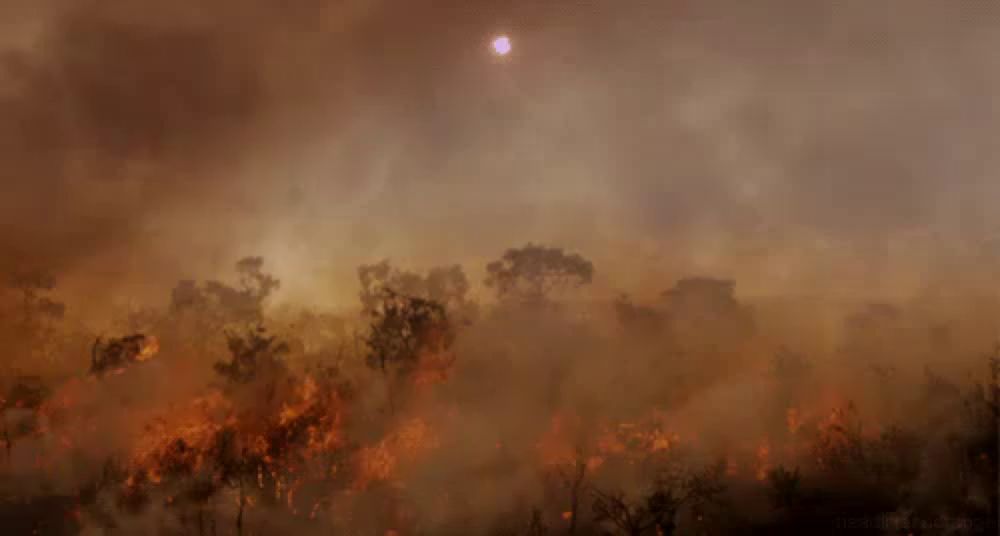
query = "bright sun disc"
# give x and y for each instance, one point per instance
(501, 45)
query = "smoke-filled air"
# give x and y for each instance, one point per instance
(499, 268)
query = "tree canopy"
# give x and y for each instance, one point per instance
(532, 272)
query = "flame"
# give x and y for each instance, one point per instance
(179, 440)
(307, 412)
(408, 443)
(632, 441)
(150, 347)
(763, 460)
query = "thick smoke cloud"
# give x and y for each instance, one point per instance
(104, 116)
(782, 143)
(745, 179)
(123, 123)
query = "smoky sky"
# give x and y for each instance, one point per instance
(780, 143)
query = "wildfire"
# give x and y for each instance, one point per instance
(179, 441)
(649, 436)
(556, 446)
(281, 435)
(630, 441)
(763, 460)
(408, 443)
(150, 347)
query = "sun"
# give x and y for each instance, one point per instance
(501, 45)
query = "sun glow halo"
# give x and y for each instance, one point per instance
(501, 45)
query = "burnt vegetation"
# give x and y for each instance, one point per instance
(428, 413)
(115, 354)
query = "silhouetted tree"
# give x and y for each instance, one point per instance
(706, 299)
(977, 443)
(404, 329)
(785, 486)
(638, 319)
(222, 303)
(886, 462)
(118, 353)
(536, 525)
(18, 406)
(574, 480)
(656, 512)
(704, 314)
(446, 285)
(250, 353)
(187, 296)
(531, 273)
(32, 285)
(36, 329)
